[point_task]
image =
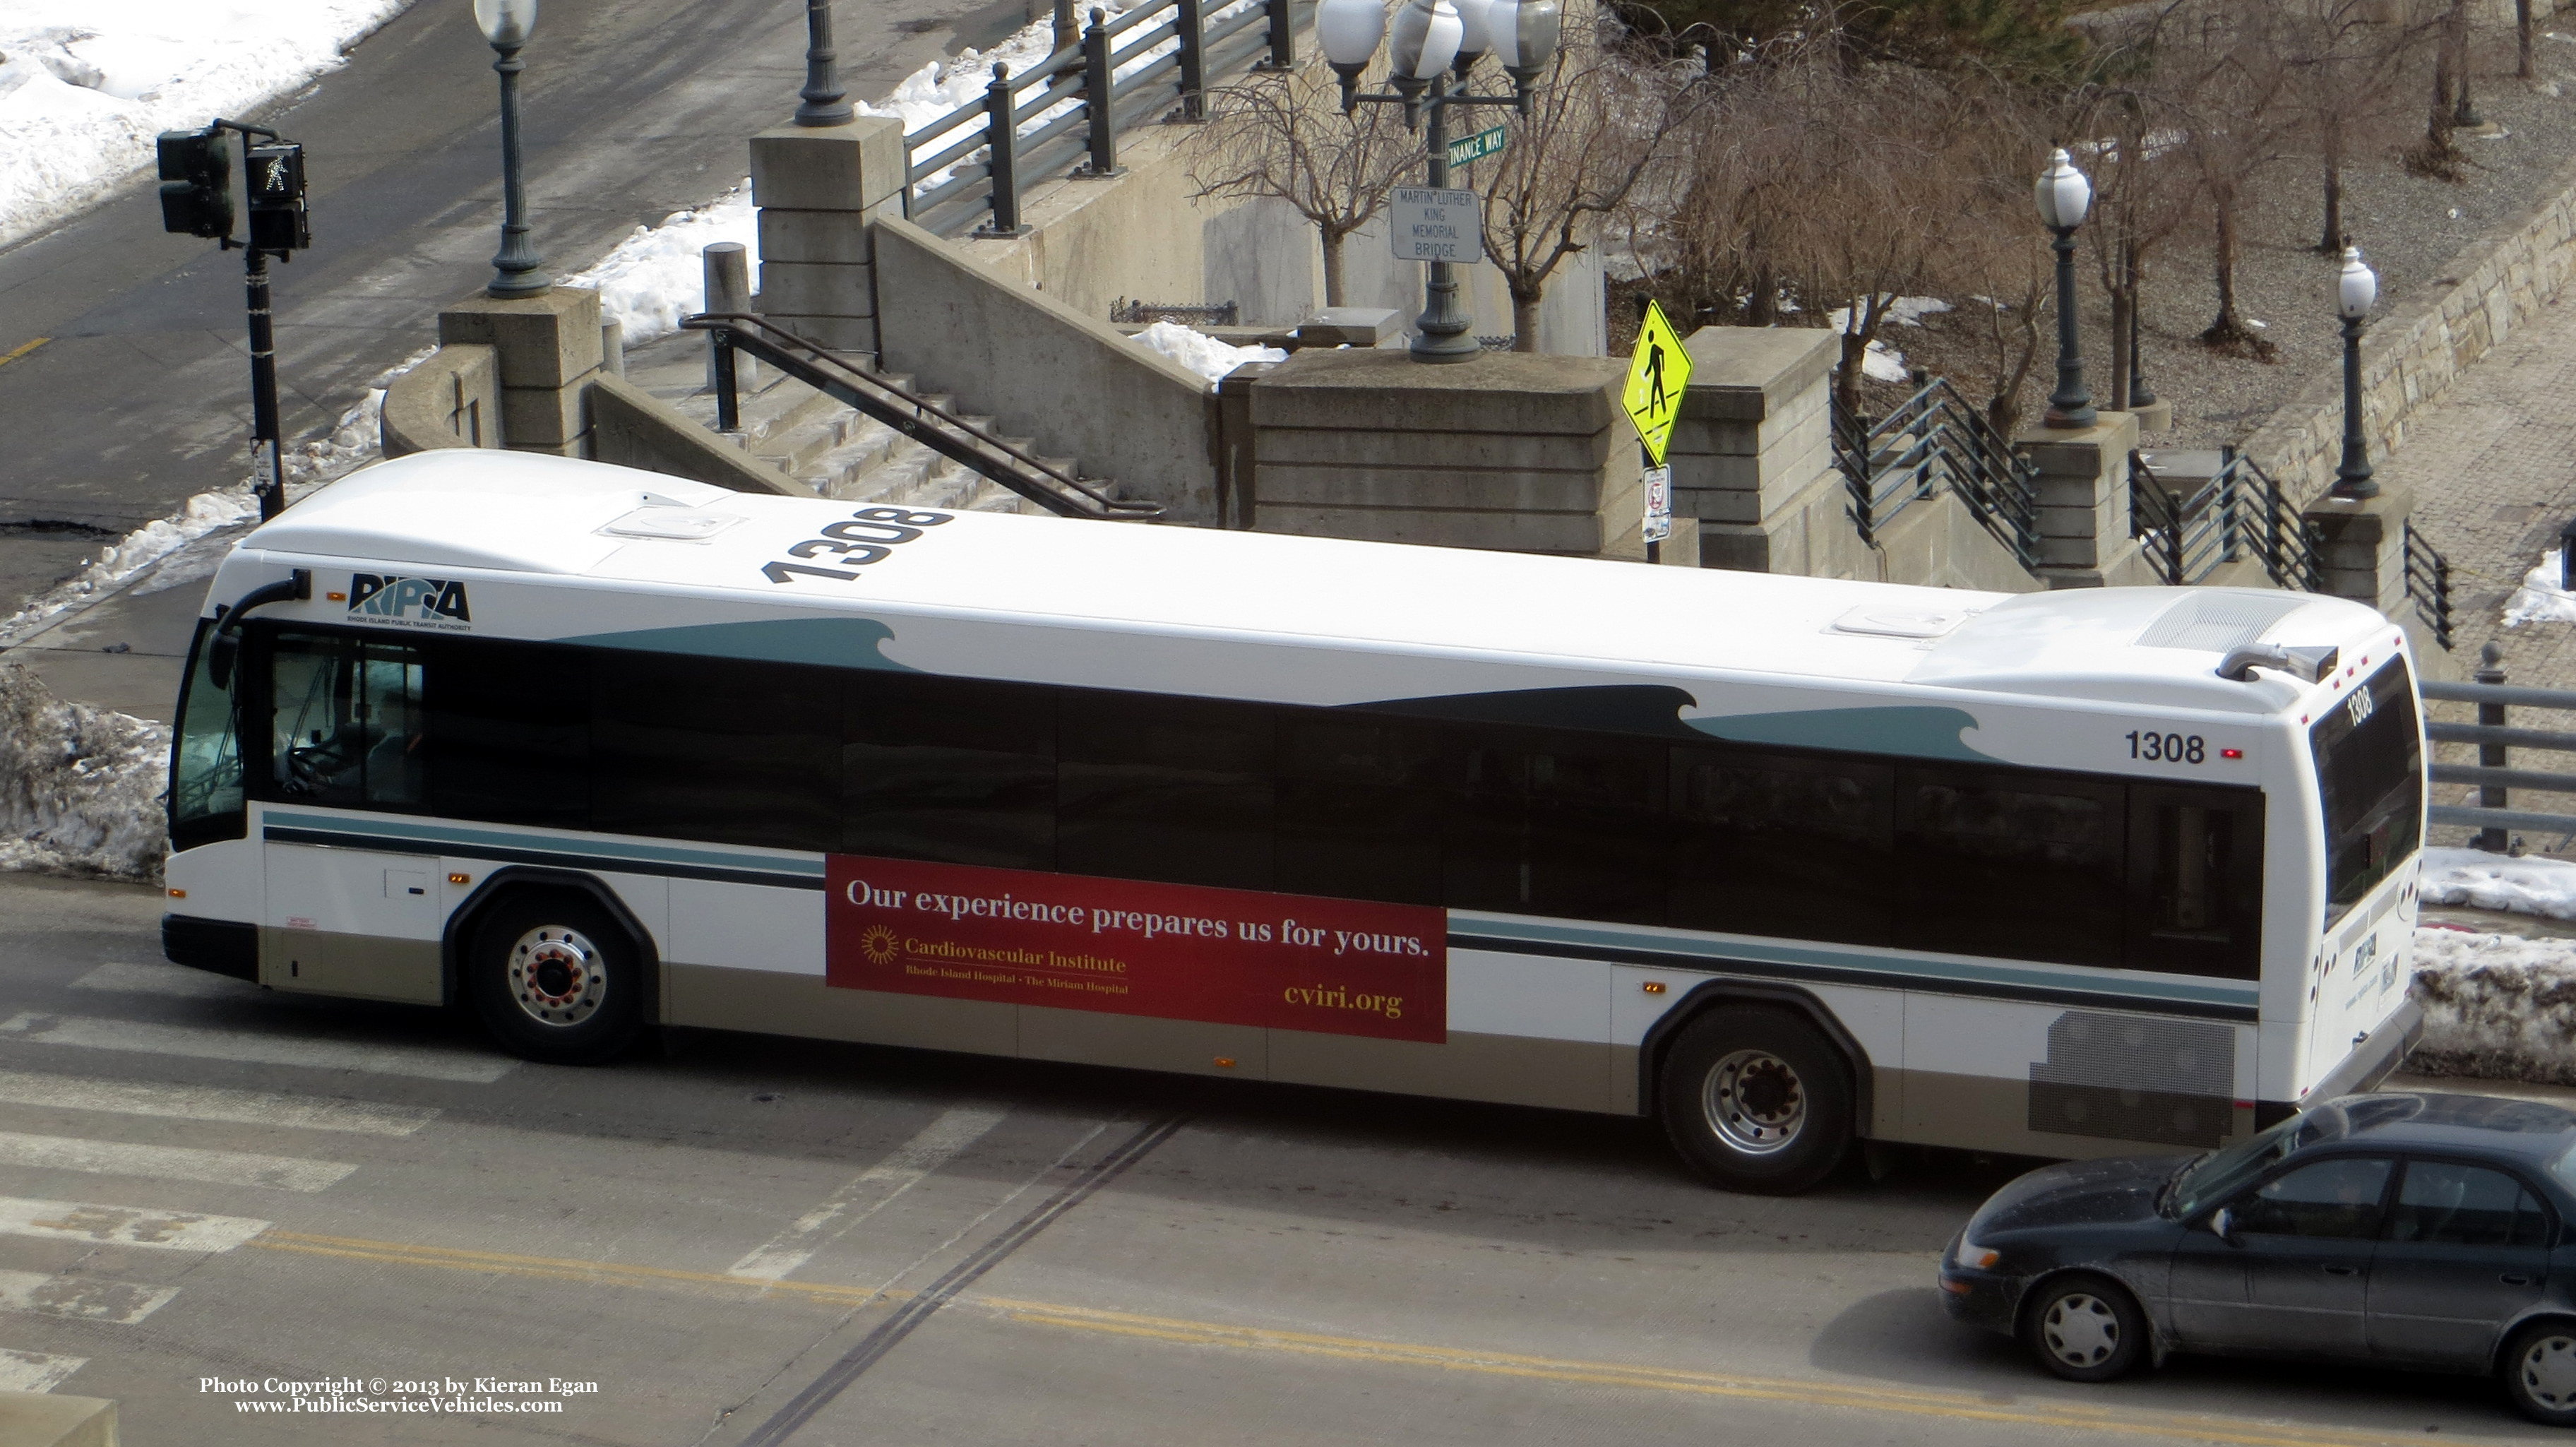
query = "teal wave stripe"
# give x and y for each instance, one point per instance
(1919, 731)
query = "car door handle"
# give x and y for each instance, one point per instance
(2510, 1279)
(2343, 1271)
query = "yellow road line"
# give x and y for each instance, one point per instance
(22, 349)
(1960, 1406)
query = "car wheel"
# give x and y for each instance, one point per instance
(1758, 1100)
(2540, 1372)
(556, 979)
(2085, 1328)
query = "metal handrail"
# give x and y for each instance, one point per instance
(1054, 488)
(993, 160)
(2493, 774)
(1936, 439)
(2428, 584)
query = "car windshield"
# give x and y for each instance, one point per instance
(2219, 1175)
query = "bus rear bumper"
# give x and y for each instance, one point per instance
(223, 946)
(2375, 1058)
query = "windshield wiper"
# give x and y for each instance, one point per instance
(2165, 1192)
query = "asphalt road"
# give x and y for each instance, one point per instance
(137, 396)
(740, 1240)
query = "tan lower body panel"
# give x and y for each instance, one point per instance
(365, 967)
(1509, 1069)
(1992, 1113)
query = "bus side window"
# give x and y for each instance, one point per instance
(1563, 824)
(345, 723)
(1151, 786)
(1361, 807)
(953, 770)
(509, 732)
(2022, 865)
(725, 750)
(2195, 880)
(1774, 845)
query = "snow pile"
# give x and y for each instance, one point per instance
(1200, 352)
(2479, 880)
(2540, 599)
(655, 276)
(85, 85)
(80, 787)
(1883, 363)
(2496, 1007)
(354, 439)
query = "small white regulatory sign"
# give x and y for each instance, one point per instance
(1425, 224)
(1659, 504)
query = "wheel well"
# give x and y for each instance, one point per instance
(518, 880)
(1714, 995)
(2504, 1339)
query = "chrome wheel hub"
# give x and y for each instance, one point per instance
(2081, 1330)
(2549, 1372)
(557, 976)
(1755, 1102)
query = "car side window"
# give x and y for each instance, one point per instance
(2447, 1203)
(2336, 1199)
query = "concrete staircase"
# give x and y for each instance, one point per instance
(828, 446)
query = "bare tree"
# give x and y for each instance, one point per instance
(1282, 135)
(1604, 115)
(2221, 78)
(2344, 64)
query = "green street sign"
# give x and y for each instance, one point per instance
(1488, 142)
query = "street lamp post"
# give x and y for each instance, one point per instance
(2063, 195)
(2355, 289)
(1435, 41)
(825, 103)
(516, 267)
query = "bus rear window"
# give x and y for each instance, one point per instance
(2370, 774)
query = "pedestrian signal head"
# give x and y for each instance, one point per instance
(278, 222)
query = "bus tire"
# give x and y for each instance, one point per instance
(555, 978)
(1757, 1100)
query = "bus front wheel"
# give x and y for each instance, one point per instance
(1758, 1100)
(555, 979)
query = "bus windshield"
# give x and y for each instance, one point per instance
(2370, 775)
(205, 762)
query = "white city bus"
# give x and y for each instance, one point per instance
(1785, 862)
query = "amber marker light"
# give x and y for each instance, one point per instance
(460, 879)
(1225, 1062)
(1654, 987)
(178, 894)
(337, 597)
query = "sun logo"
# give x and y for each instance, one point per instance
(879, 945)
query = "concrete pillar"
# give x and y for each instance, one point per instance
(1514, 451)
(2084, 537)
(1752, 453)
(548, 348)
(818, 188)
(2365, 547)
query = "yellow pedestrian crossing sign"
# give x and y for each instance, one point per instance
(1657, 372)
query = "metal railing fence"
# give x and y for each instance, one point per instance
(968, 169)
(2493, 816)
(2428, 584)
(1936, 439)
(2238, 510)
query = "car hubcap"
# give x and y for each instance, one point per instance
(2081, 1330)
(1755, 1102)
(2549, 1372)
(557, 976)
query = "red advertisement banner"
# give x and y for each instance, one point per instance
(1175, 951)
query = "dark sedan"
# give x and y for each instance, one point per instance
(2431, 1232)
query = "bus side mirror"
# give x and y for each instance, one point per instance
(221, 652)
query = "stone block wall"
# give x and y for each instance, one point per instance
(818, 188)
(1513, 451)
(548, 350)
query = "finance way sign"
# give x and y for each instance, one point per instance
(1657, 372)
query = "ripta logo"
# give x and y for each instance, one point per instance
(391, 597)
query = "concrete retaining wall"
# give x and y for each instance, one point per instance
(1044, 369)
(2411, 356)
(451, 400)
(633, 428)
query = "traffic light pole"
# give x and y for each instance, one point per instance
(263, 392)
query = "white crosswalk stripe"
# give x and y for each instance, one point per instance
(426, 1062)
(160, 979)
(125, 1225)
(82, 1298)
(178, 1163)
(869, 1192)
(35, 1371)
(211, 1102)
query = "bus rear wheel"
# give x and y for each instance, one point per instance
(555, 979)
(1757, 1100)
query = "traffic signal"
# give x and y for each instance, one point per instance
(196, 183)
(277, 217)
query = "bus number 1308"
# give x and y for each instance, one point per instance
(2167, 748)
